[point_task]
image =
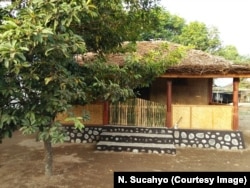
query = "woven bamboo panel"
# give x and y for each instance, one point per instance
(94, 111)
(181, 116)
(203, 116)
(222, 117)
(212, 117)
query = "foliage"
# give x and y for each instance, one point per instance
(230, 52)
(116, 21)
(41, 35)
(36, 49)
(166, 27)
(35, 54)
(196, 34)
(114, 82)
(39, 75)
(173, 28)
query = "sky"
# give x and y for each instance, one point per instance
(230, 17)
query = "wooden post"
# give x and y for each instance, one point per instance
(210, 90)
(169, 105)
(236, 82)
(105, 113)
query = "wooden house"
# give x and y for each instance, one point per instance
(176, 110)
(186, 90)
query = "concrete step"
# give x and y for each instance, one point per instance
(136, 134)
(136, 137)
(137, 129)
(139, 140)
(136, 147)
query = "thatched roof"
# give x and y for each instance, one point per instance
(195, 63)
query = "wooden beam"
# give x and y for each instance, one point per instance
(236, 82)
(169, 121)
(105, 113)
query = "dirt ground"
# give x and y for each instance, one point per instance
(80, 165)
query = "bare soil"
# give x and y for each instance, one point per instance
(80, 165)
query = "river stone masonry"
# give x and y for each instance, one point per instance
(209, 139)
(182, 137)
(89, 134)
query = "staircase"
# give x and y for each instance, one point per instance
(137, 140)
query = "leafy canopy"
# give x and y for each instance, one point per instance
(39, 75)
(36, 47)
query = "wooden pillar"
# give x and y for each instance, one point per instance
(236, 82)
(105, 113)
(169, 121)
(210, 90)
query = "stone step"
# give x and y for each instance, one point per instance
(136, 147)
(136, 137)
(137, 134)
(137, 129)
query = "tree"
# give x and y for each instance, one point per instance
(230, 52)
(39, 75)
(116, 21)
(166, 27)
(36, 49)
(199, 36)
(174, 28)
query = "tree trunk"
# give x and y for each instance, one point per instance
(48, 157)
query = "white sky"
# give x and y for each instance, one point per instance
(231, 17)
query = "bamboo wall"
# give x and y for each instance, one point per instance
(184, 91)
(138, 112)
(213, 117)
(94, 111)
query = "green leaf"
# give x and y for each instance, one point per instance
(77, 122)
(9, 24)
(47, 31)
(4, 118)
(26, 65)
(48, 50)
(24, 48)
(26, 130)
(21, 56)
(6, 63)
(48, 79)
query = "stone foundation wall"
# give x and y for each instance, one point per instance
(209, 139)
(90, 134)
(182, 137)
